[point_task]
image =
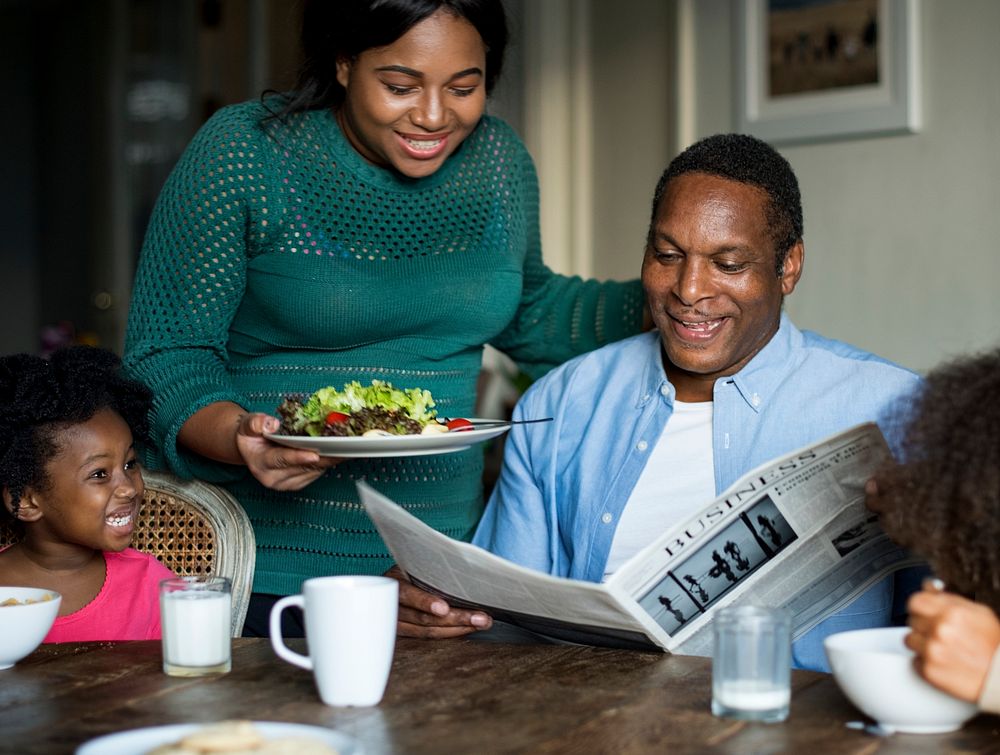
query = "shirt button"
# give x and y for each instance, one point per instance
(642, 445)
(606, 518)
(664, 390)
(755, 400)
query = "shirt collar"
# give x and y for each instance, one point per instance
(756, 382)
(654, 383)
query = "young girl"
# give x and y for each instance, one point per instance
(944, 503)
(70, 477)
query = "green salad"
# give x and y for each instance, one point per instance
(359, 409)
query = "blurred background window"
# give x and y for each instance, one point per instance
(103, 96)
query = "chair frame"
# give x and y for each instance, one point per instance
(235, 546)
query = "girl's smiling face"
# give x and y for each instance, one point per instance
(94, 486)
(409, 105)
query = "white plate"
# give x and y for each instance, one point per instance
(392, 445)
(141, 741)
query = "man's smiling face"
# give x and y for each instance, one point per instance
(710, 279)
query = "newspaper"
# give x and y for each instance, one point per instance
(794, 532)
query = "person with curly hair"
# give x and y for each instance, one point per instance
(70, 477)
(943, 502)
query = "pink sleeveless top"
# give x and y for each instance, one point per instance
(126, 608)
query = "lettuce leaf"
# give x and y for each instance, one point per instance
(415, 402)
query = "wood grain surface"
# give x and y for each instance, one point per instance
(454, 696)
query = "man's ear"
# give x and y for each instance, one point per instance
(791, 271)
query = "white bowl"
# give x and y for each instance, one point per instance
(23, 627)
(874, 669)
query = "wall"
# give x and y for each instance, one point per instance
(902, 232)
(95, 86)
(598, 120)
(632, 72)
(19, 273)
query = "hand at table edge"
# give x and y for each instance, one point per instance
(423, 615)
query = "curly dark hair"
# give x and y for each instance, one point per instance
(334, 30)
(40, 397)
(943, 500)
(748, 160)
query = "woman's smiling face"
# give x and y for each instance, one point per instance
(94, 485)
(409, 105)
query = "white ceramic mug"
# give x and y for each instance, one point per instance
(351, 631)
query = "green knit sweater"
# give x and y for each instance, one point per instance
(278, 261)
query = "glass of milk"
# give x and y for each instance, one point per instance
(751, 664)
(196, 618)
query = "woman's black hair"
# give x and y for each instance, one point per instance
(40, 397)
(334, 30)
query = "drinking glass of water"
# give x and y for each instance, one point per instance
(196, 619)
(751, 665)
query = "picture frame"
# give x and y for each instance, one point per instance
(829, 77)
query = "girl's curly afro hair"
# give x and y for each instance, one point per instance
(39, 397)
(943, 501)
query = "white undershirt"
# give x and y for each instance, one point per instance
(677, 481)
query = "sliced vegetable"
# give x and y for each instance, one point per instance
(356, 409)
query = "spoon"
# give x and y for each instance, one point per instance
(876, 730)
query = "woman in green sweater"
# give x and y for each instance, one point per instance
(371, 224)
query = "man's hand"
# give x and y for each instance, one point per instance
(954, 639)
(275, 466)
(427, 616)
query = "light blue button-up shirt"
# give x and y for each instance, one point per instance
(565, 483)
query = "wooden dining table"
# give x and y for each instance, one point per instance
(449, 696)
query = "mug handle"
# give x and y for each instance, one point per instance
(278, 642)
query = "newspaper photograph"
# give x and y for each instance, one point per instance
(794, 532)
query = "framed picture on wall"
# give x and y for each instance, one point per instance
(811, 70)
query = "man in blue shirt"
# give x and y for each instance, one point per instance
(649, 429)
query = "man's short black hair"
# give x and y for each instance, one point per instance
(749, 160)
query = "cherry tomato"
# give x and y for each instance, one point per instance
(459, 424)
(334, 417)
